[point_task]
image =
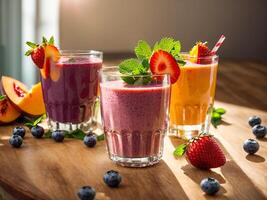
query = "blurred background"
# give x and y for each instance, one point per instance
(114, 27)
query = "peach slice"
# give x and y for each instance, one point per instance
(8, 112)
(29, 102)
(51, 54)
(33, 103)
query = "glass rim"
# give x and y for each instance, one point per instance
(187, 55)
(116, 73)
(72, 52)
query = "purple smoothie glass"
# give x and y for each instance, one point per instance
(71, 90)
(134, 117)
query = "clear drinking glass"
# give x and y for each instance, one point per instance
(192, 96)
(134, 117)
(70, 85)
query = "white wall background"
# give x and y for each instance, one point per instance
(116, 25)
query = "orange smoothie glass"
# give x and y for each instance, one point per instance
(192, 96)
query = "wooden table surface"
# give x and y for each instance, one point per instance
(43, 169)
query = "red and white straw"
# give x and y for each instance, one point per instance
(217, 45)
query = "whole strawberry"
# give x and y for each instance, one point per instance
(37, 51)
(202, 152)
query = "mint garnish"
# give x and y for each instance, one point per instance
(32, 123)
(133, 67)
(216, 116)
(143, 50)
(180, 150)
(76, 134)
(2, 97)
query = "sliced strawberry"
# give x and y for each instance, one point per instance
(162, 62)
(199, 52)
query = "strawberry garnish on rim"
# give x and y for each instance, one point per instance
(41, 55)
(202, 152)
(37, 54)
(162, 62)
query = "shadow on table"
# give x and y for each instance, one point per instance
(255, 158)
(156, 182)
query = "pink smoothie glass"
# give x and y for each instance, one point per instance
(134, 117)
(70, 90)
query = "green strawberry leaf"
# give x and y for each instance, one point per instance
(145, 64)
(32, 45)
(44, 40)
(143, 50)
(29, 52)
(180, 150)
(51, 40)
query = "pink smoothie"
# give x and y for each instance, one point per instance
(134, 118)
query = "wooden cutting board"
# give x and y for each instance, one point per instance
(43, 169)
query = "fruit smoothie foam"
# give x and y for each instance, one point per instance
(71, 97)
(134, 118)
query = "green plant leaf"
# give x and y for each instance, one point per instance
(100, 137)
(31, 44)
(216, 116)
(39, 120)
(51, 40)
(77, 134)
(221, 111)
(48, 134)
(44, 40)
(180, 150)
(2, 97)
(143, 50)
(29, 124)
(29, 52)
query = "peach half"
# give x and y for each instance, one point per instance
(8, 112)
(29, 102)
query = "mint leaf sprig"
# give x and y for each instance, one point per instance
(32, 123)
(77, 134)
(133, 67)
(216, 116)
(2, 97)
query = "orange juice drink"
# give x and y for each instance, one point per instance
(192, 97)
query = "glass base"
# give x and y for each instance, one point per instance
(136, 162)
(187, 131)
(84, 126)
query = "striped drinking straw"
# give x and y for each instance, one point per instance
(217, 45)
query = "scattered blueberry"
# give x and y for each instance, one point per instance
(37, 131)
(16, 141)
(112, 178)
(58, 135)
(210, 186)
(19, 131)
(90, 140)
(86, 193)
(259, 131)
(251, 146)
(254, 120)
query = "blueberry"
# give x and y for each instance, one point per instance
(210, 186)
(259, 131)
(16, 141)
(254, 120)
(58, 135)
(251, 146)
(19, 131)
(112, 178)
(37, 131)
(90, 140)
(86, 193)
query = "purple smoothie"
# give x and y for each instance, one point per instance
(134, 118)
(71, 97)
